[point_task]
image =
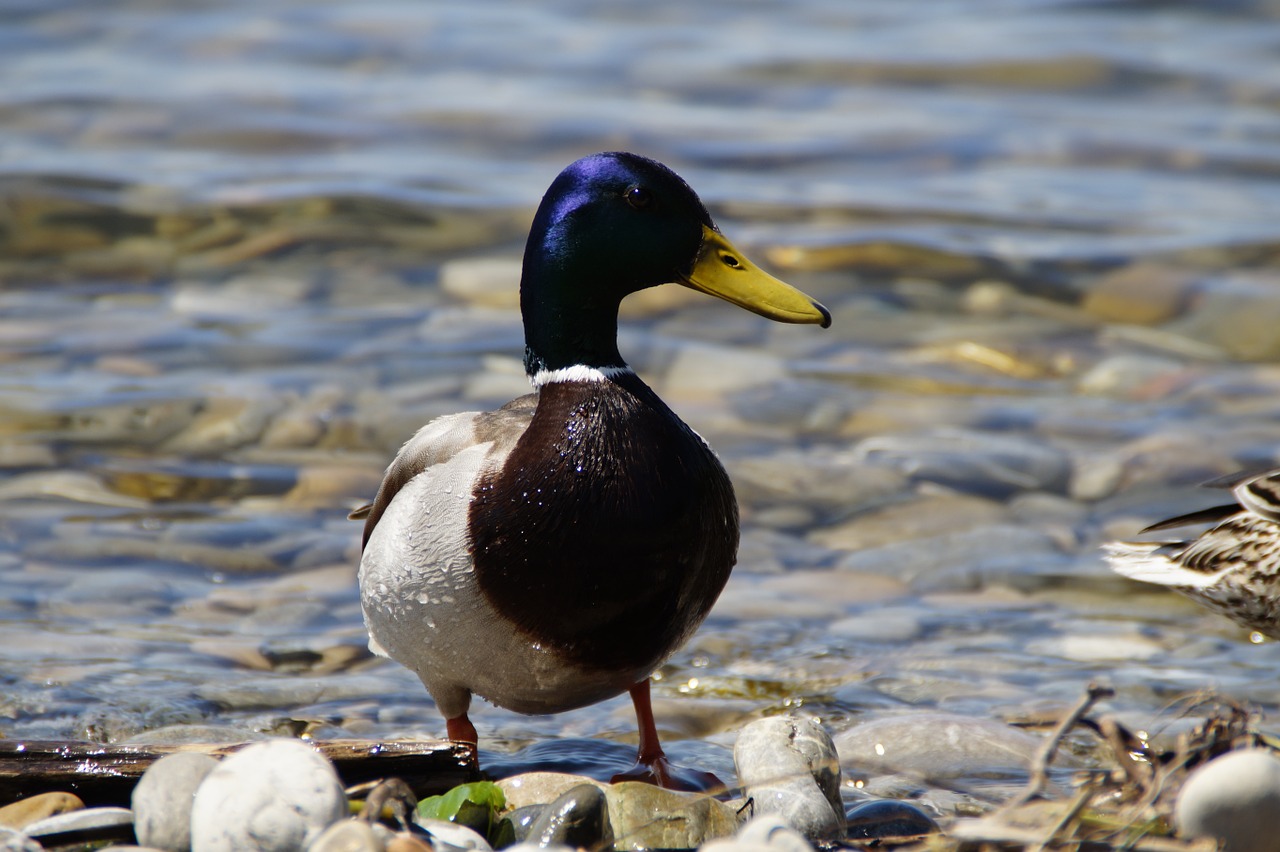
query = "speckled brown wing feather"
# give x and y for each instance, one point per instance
(1244, 539)
(439, 441)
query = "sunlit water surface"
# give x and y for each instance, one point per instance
(247, 248)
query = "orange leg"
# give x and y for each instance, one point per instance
(461, 730)
(652, 766)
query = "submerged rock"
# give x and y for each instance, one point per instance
(887, 818)
(938, 746)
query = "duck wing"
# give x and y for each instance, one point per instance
(439, 441)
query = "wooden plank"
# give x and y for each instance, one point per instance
(103, 774)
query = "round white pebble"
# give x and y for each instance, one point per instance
(272, 796)
(163, 797)
(1235, 798)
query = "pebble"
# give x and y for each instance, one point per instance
(790, 767)
(81, 820)
(688, 820)
(704, 370)
(771, 831)
(763, 833)
(271, 796)
(538, 788)
(927, 515)
(997, 465)
(409, 843)
(1237, 313)
(1102, 646)
(163, 798)
(578, 818)
(884, 818)
(12, 840)
(1146, 293)
(350, 835)
(492, 282)
(449, 836)
(1235, 798)
(27, 811)
(961, 559)
(523, 818)
(937, 746)
(186, 734)
(838, 482)
(1129, 376)
(881, 624)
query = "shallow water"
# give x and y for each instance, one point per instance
(248, 248)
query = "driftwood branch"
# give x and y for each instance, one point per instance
(105, 774)
(1040, 768)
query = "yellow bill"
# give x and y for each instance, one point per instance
(721, 270)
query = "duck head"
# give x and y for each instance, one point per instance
(612, 224)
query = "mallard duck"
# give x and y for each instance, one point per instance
(553, 553)
(1233, 568)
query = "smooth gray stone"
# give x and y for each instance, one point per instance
(646, 817)
(272, 796)
(183, 734)
(578, 818)
(12, 840)
(523, 818)
(163, 798)
(350, 835)
(82, 820)
(771, 831)
(790, 768)
(1235, 798)
(996, 465)
(940, 746)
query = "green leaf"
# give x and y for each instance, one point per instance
(474, 805)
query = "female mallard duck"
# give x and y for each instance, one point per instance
(555, 552)
(1233, 568)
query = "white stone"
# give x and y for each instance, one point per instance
(273, 796)
(1235, 798)
(790, 768)
(12, 840)
(772, 831)
(163, 798)
(79, 820)
(449, 836)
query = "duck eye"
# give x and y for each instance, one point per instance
(638, 197)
